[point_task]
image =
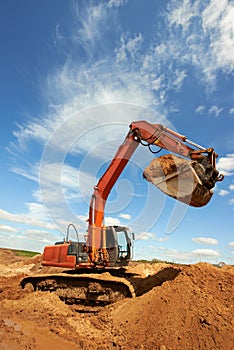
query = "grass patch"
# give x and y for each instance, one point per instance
(154, 261)
(26, 253)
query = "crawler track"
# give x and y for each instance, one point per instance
(86, 288)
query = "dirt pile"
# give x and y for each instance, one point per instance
(194, 311)
(179, 307)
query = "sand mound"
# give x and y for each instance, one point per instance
(194, 311)
(179, 307)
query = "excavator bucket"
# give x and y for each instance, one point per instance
(177, 178)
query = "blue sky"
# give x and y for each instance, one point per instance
(74, 74)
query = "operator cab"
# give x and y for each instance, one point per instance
(118, 245)
(70, 253)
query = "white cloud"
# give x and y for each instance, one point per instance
(217, 20)
(54, 175)
(59, 174)
(231, 187)
(202, 35)
(225, 165)
(212, 13)
(172, 254)
(116, 3)
(205, 240)
(125, 216)
(44, 237)
(231, 111)
(28, 239)
(223, 192)
(109, 221)
(206, 253)
(111, 86)
(6, 228)
(181, 13)
(162, 239)
(215, 110)
(200, 109)
(231, 244)
(83, 218)
(179, 79)
(144, 236)
(60, 186)
(25, 218)
(33, 130)
(91, 20)
(129, 46)
(231, 201)
(186, 257)
(31, 172)
(158, 84)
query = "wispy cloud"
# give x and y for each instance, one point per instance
(162, 239)
(215, 110)
(116, 3)
(26, 218)
(129, 46)
(44, 237)
(181, 13)
(217, 20)
(91, 21)
(210, 46)
(200, 109)
(212, 110)
(223, 192)
(7, 228)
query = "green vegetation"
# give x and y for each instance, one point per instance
(25, 253)
(154, 261)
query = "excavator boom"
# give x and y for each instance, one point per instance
(190, 183)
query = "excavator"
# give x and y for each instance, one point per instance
(95, 270)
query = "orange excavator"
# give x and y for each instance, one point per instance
(95, 270)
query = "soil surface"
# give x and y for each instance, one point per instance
(180, 307)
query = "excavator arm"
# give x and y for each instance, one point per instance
(146, 134)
